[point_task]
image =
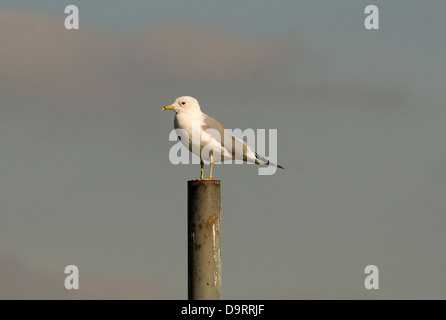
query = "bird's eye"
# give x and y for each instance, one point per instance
(183, 103)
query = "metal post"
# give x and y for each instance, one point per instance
(203, 229)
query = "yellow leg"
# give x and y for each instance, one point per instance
(212, 165)
(202, 164)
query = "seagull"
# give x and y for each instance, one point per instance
(218, 141)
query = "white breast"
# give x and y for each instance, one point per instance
(186, 121)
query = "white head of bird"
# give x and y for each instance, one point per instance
(184, 104)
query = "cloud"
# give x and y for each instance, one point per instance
(21, 280)
(192, 51)
(355, 92)
(42, 61)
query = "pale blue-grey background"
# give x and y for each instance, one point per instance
(85, 177)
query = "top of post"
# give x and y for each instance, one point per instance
(203, 182)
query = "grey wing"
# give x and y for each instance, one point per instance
(236, 147)
(211, 123)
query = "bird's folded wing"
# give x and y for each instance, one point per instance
(236, 148)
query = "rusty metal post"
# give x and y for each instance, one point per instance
(203, 229)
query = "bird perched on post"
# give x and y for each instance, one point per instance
(207, 137)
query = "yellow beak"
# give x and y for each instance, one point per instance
(168, 107)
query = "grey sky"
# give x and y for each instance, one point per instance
(85, 177)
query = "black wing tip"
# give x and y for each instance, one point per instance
(266, 162)
(269, 163)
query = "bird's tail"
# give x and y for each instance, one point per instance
(263, 161)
